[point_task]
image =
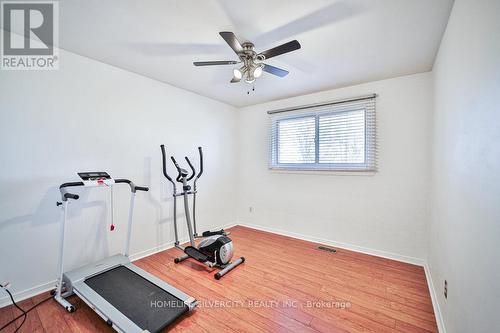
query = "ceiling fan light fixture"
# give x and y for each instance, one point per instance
(257, 71)
(237, 74)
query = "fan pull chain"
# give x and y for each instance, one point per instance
(253, 89)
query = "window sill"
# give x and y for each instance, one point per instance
(323, 172)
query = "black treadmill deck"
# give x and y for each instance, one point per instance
(147, 305)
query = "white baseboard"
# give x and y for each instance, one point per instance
(27, 293)
(435, 303)
(153, 250)
(351, 247)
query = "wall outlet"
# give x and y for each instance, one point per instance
(445, 289)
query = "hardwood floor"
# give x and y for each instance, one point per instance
(286, 285)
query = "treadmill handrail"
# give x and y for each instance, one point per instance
(133, 188)
(65, 195)
(71, 184)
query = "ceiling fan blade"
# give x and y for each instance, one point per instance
(275, 70)
(284, 48)
(214, 63)
(232, 41)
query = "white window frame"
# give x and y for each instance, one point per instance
(317, 111)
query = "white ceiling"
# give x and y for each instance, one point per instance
(343, 42)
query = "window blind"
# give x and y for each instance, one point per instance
(332, 136)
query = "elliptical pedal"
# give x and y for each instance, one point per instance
(214, 233)
(195, 254)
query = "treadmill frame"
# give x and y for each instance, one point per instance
(73, 282)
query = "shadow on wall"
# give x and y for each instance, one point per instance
(48, 212)
(157, 204)
(163, 204)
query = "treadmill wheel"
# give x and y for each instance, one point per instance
(217, 276)
(71, 309)
(109, 322)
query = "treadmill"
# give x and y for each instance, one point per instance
(127, 297)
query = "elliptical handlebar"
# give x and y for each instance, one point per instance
(179, 169)
(192, 168)
(175, 163)
(201, 163)
(164, 158)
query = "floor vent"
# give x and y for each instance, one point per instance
(327, 249)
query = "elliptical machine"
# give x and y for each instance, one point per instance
(216, 248)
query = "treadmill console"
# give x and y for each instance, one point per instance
(92, 176)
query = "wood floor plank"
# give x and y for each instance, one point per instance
(53, 317)
(285, 285)
(32, 322)
(409, 328)
(6, 315)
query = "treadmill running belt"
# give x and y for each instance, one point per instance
(147, 305)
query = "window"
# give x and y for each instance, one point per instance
(334, 136)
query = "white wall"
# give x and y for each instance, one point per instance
(465, 223)
(386, 212)
(89, 116)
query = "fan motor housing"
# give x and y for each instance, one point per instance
(248, 51)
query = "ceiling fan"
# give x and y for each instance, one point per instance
(253, 67)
